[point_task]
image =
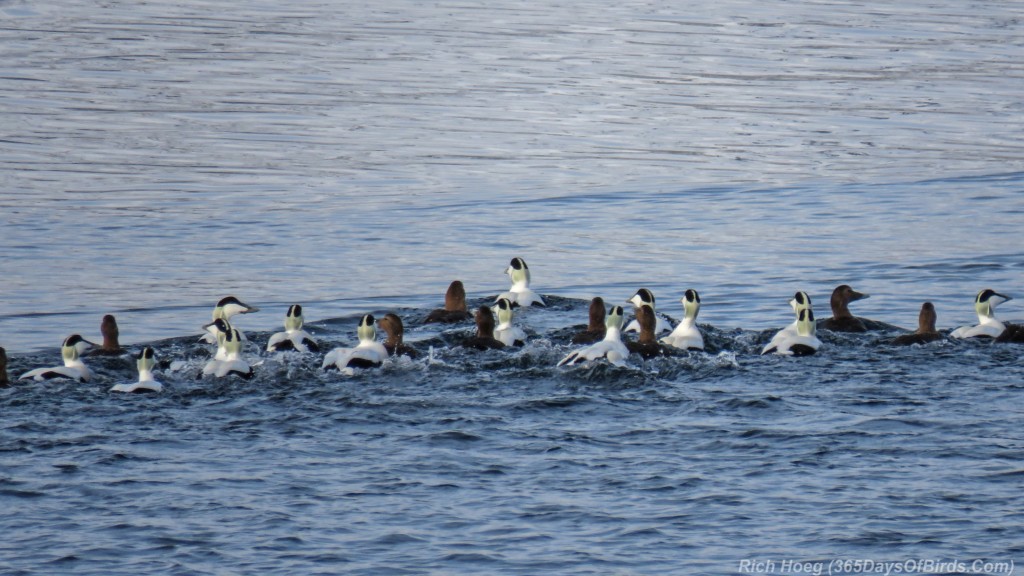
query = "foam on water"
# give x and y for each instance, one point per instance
(356, 157)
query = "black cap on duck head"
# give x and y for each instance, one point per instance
(455, 297)
(596, 314)
(146, 353)
(74, 340)
(518, 263)
(802, 298)
(643, 297)
(485, 322)
(295, 310)
(691, 296)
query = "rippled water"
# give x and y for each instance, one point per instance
(357, 157)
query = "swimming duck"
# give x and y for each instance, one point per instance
(799, 301)
(293, 337)
(804, 343)
(229, 353)
(367, 354)
(645, 297)
(520, 293)
(226, 308)
(842, 320)
(4, 382)
(988, 327)
(110, 346)
(505, 332)
(925, 332)
(454, 306)
(484, 338)
(611, 347)
(392, 325)
(646, 346)
(595, 327)
(145, 362)
(686, 335)
(73, 367)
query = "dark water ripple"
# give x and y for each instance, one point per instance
(500, 462)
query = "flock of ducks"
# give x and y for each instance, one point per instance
(602, 340)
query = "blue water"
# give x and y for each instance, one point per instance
(357, 157)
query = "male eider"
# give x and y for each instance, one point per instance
(293, 337)
(145, 362)
(73, 367)
(988, 327)
(520, 293)
(367, 354)
(505, 332)
(799, 302)
(803, 343)
(686, 335)
(228, 359)
(226, 308)
(610, 348)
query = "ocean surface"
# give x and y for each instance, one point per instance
(355, 157)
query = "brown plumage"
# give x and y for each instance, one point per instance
(4, 382)
(484, 339)
(595, 329)
(925, 332)
(454, 306)
(842, 320)
(111, 346)
(646, 345)
(392, 325)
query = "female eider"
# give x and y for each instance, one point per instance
(226, 308)
(73, 367)
(367, 354)
(145, 362)
(925, 332)
(293, 337)
(988, 327)
(505, 332)
(646, 346)
(610, 348)
(686, 335)
(804, 343)
(520, 293)
(484, 338)
(110, 346)
(595, 327)
(392, 325)
(4, 381)
(454, 306)
(645, 297)
(229, 353)
(842, 320)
